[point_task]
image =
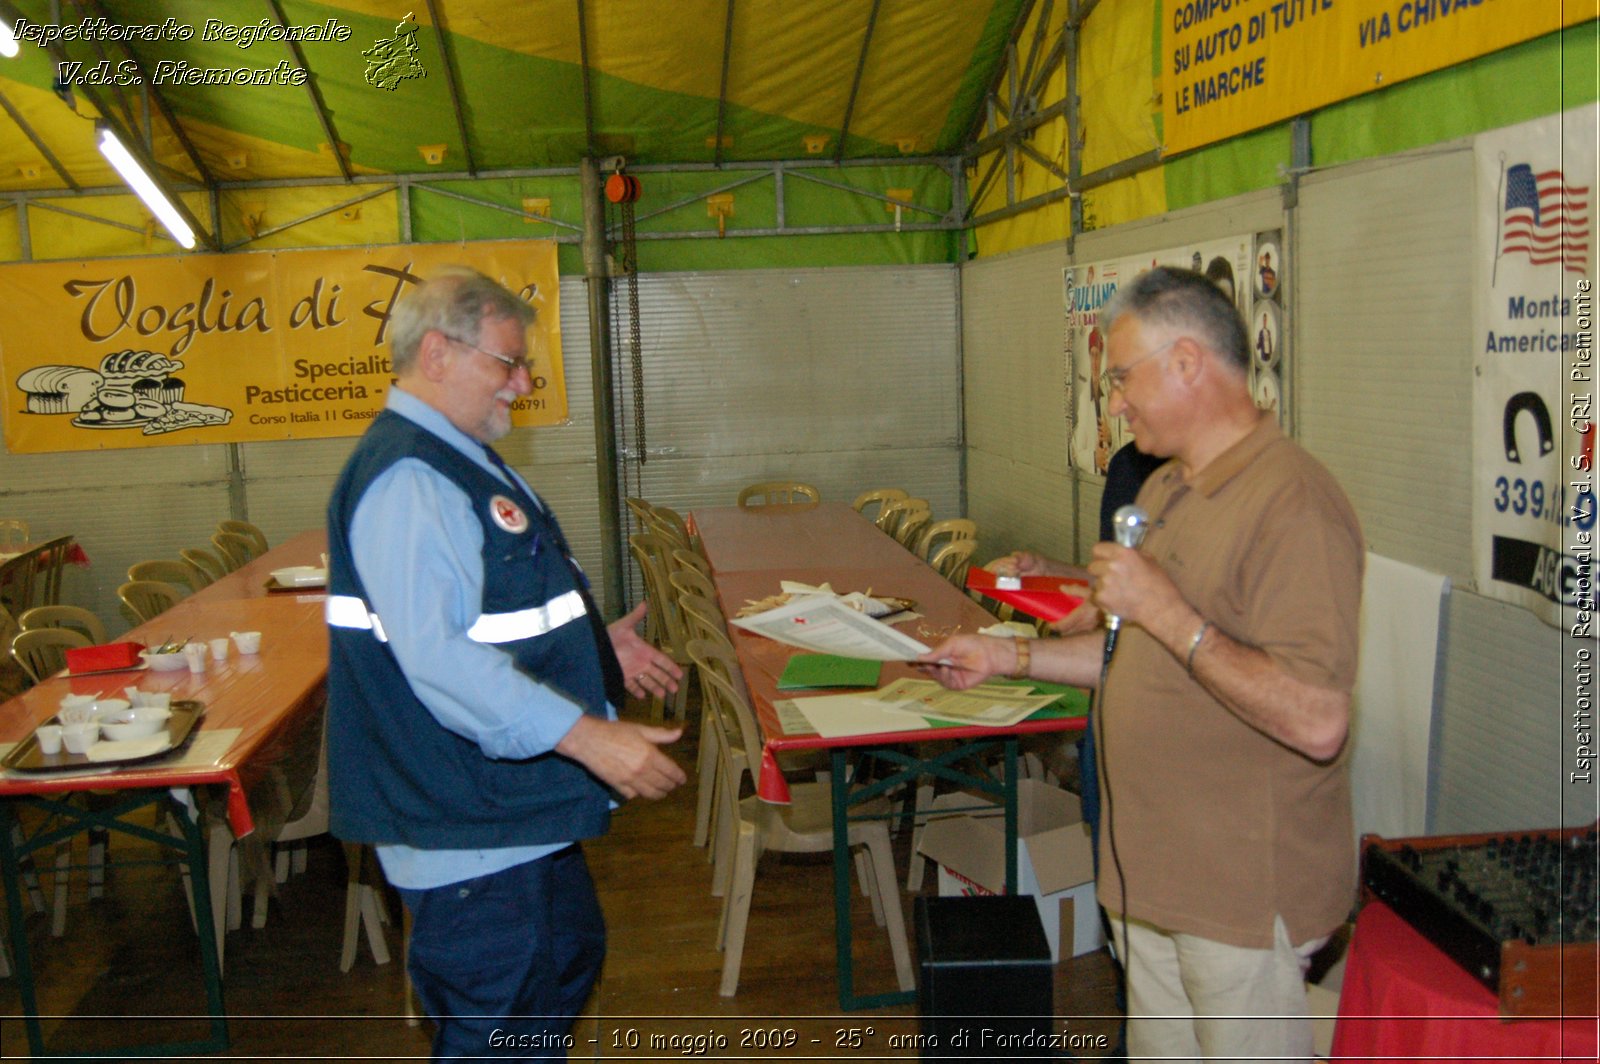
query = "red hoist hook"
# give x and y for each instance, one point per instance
(623, 190)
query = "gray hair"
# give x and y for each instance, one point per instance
(455, 301)
(1183, 299)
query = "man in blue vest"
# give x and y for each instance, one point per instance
(473, 688)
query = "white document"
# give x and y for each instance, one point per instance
(837, 716)
(990, 705)
(823, 624)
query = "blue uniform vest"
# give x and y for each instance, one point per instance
(394, 774)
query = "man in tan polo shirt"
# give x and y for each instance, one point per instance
(1227, 840)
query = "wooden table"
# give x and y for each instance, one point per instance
(750, 552)
(257, 702)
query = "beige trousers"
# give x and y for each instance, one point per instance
(1190, 998)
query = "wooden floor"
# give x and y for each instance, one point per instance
(128, 969)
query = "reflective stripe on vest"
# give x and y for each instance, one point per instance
(347, 611)
(525, 624)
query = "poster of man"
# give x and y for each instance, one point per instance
(1096, 435)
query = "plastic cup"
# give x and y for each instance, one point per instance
(49, 736)
(77, 738)
(247, 642)
(219, 649)
(195, 655)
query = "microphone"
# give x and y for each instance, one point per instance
(1128, 526)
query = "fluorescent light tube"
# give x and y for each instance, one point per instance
(8, 40)
(134, 174)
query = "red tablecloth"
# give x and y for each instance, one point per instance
(1404, 999)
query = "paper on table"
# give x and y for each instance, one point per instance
(824, 624)
(810, 671)
(989, 705)
(837, 716)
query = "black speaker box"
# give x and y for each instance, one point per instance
(985, 979)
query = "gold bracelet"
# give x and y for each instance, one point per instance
(1194, 644)
(1024, 658)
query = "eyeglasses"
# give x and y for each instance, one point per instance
(1115, 380)
(511, 364)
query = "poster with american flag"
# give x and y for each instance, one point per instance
(1534, 490)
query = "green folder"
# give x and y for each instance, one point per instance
(811, 671)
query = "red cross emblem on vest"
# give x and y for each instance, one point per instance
(508, 515)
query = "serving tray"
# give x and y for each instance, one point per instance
(27, 757)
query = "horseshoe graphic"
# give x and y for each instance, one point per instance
(1531, 402)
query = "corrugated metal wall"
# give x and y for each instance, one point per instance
(1383, 268)
(1379, 276)
(1018, 487)
(845, 378)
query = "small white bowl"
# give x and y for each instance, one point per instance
(136, 723)
(300, 576)
(164, 662)
(106, 707)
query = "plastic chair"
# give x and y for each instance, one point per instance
(686, 579)
(777, 492)
(206, 562)
(803, 826)
(43, 651)
(665, 626)
(236, 550)
(950, 560)
(910, 527)
(14, 534)
(44, 581)
(146, 600)
(75, 618)
(879, 496)
(178, 574)
(640, 509)
(890, 515)
(257, 538)
(950, 529)
(674, 533)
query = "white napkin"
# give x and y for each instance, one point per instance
(128, 749)
(856, 600)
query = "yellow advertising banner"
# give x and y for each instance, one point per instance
(234, 348)
(1231, 66)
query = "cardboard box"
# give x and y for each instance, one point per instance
(102, 657)
(1055, 862)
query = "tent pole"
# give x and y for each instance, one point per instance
(605, 436)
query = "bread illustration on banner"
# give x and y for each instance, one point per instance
(131, 389)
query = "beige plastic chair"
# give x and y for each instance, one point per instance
(236, 550)
(639, 508)
(75, 618)
(707, 625)
(43, 651)
(178, 574)
(948, 530)
(205, 561)
(778, 492)
(909, 530)
(877, 498)
(675, 534)
(14, 534)
(672, 520)
(146, 600)
(257, 538)
(890, 515)
(803, 826)
(686, 579)
(665, 627)
(43, 582)
(950, 560)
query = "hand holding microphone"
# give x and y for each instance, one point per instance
(1128, 527)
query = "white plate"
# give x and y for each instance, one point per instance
(301, 576)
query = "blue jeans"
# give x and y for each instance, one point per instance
(504, 963)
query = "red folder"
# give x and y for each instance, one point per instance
(1039, 596)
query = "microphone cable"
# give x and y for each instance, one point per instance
(1129, 525)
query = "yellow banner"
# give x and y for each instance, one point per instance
(1235, 65)
(234, 348)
